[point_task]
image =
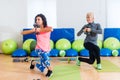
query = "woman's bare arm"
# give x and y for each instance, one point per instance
(28, 31)
(47, 29)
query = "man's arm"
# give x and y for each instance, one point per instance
(98, 30)
(82, 30)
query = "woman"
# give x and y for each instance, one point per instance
(43, 44)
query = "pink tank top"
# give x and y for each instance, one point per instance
(43, 41)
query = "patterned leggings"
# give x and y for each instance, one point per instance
(44, 60)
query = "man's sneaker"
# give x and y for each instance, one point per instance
(49, 73)
(31, 65)
(77, 61)
(99, 67)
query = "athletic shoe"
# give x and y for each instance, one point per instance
(49, 73)
(99, 67)
(31, 65)
(77, 61)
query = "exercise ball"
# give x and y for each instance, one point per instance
(51, 44)
(63, 44)
(19, 53)
(71, 53)
(115, 52)
(33, 54)
(84, 53)
(54, 53)
(32, 45)
(29, 45)
(99, 43)
(9, 46)
(62, 53)
(105, 52)
(78, 45)
(111, 43)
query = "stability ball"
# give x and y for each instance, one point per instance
(51, 44)
(63, 44)
(99, 43)
(111, 43)
(19, 53)
(78, 45)
(32, 45)
(115, 52)
(84, 52)
(71, 53)
(54, 53)
(9, 46)
(33, 54)
(62, 53)
(29, 45)
(105, 52)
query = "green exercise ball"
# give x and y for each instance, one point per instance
(51, 44)
(115, 52)
(33, 45)
(29, 45)
(111, 43)
(62, 53)
(78, 45)
(9, 46)
(63, 44)
(99, 43)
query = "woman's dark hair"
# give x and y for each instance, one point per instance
(43, 18)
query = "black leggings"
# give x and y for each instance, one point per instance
(94, 53)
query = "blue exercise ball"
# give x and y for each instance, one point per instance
(19, 53)
(105, 52)
(34, 54)
(54, 53)
(84, 52)
(71, 53)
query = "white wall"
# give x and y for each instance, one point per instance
(72, 13)
(13, 17)
(46, 7)
(113, 13)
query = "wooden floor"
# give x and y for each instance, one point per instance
(10, 70)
